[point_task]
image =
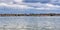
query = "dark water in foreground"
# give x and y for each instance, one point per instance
(30, 23)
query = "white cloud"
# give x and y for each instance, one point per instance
(15, 6)
(40, 6)
(11, 1)
(18, 1)
(20, 5)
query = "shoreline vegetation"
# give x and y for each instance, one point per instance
(50, 14)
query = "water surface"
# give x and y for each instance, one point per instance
(30, 22)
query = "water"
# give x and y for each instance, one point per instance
(30, 23)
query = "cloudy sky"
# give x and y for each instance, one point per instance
(29, 6)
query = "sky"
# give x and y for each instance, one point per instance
(29, 6)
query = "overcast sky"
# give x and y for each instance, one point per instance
(29, 6)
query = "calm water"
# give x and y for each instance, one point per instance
(30, 23)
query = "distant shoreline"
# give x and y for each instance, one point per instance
(50, 14)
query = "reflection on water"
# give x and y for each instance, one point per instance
(30, 23)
